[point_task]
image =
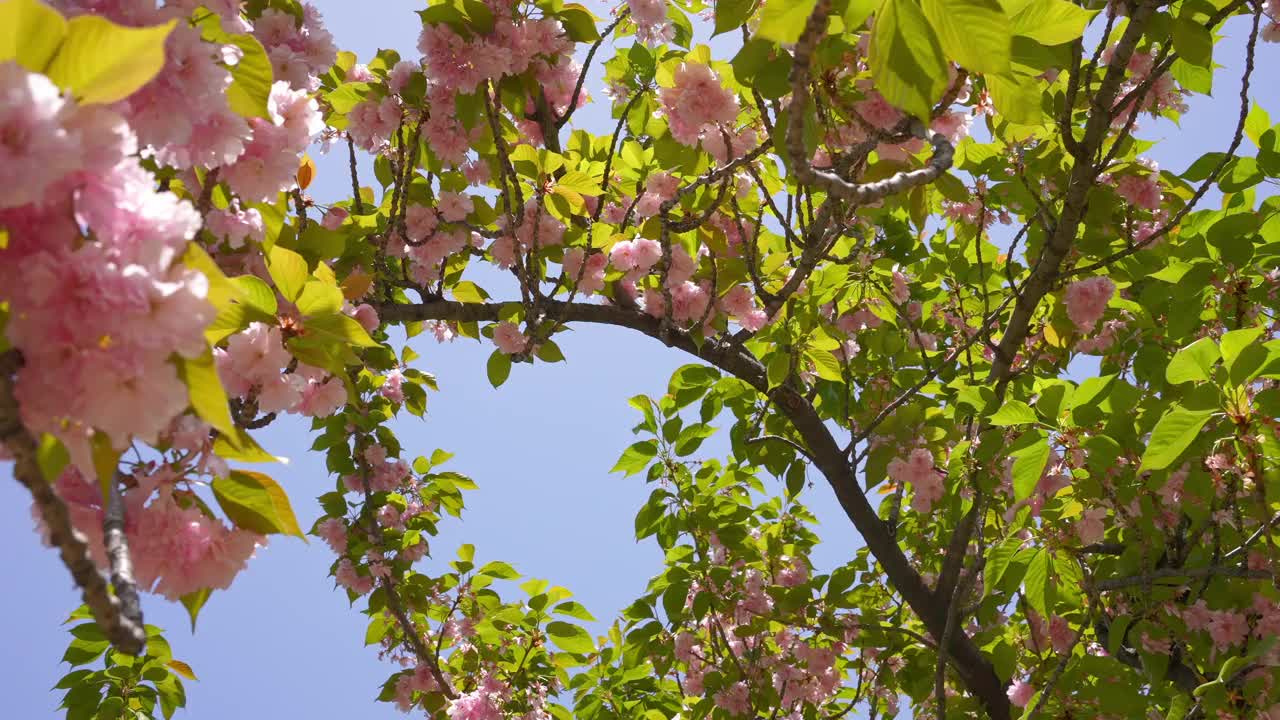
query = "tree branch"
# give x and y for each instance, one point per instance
(125, 634)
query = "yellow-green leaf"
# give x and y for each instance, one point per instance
(242, 447)
(977, 34)
(30, 33)
(338, 328)
(1052, 22)
(204, 387)
(257, 297)
(1016, 97)
(254, 501)
(102, 62)
(251, 76)
(783, 21)
(288, 271)
(906, 59)
(319, 298)
(52, 457)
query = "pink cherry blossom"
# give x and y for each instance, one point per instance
(454, 207)
(1020, 693)
(509, 339)
(1087, 300)
(918, 471)
(696, 103)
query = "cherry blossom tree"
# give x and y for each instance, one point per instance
(881, 232)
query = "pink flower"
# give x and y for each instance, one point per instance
(476, 705)
(1060, 634)
(35, 149)
(1142, 191)
(177, 551)
(590, 279)
(650, 16)
(734, 699)
(1089, 527)
(1197, 616)
(454, 207)
(334, 218)
(1087, 301)
(877, 111)
(392, 389)
(697, 103)
(509, 339)
(1228, 629)
(334, 532)
(366, 316)
(1020, 693)
(918, 471)
(236, 225)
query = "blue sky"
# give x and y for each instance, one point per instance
(282, 642)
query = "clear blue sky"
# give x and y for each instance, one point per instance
(282, 643)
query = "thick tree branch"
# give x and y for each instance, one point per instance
(126, 634)
(975, 670)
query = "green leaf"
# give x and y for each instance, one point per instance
(977, 34)
(579, 182)
(1256, 124)
(320, 298)
(1175, 431)
(906, 59)
(1029, 463)
(783, 22)
(998, 559)
(579, 23)
(241, 446)
(1052, 22)
(251, 76)
(193, 602)
(573, 610)
(1193, 362)
(498, 368)
(338, 328)
(1179, 706)
(30, 33)
(52, 457)
(570, 638)
(468, 292)
(255, 502)
(1016, 97)
(288, 271)
(635, 458)
(1013, 412)
(1193, 42)
(732, 14)
(500, 570)
(1035, 584)
(257, 297)
(1236, 341)
(204, 387)
(102, 62)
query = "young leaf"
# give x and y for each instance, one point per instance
(570, 638)
(102, 62)
(338, 328)
(1175, 431)
(906, 59)
(1193, 362)
(498, 368)
(783, 22)
(977, 34)
(1029, 464)
(288, 271)
(204, 387)
(30, 33)
(255, 502)
(1052, 22)
(636, 458)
